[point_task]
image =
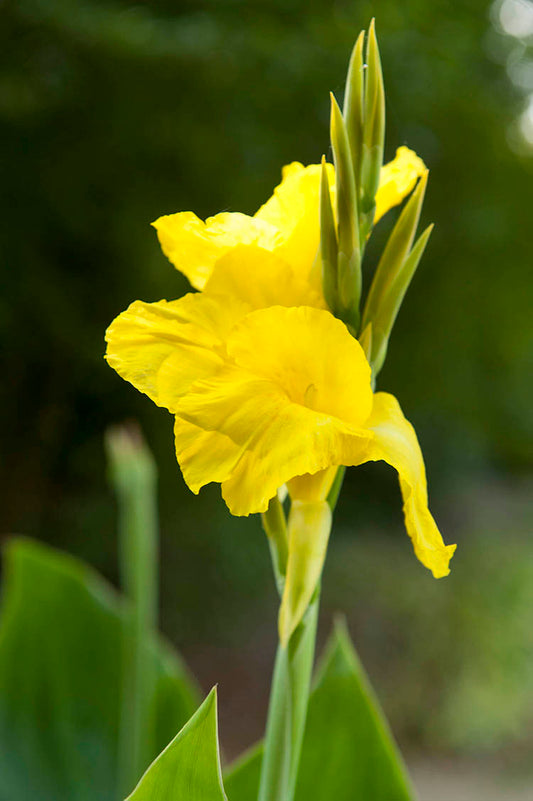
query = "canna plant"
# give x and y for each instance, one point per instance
(270, 370)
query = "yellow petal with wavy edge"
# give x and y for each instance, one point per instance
(397, 180)
(290, 406)
(309, 529)
(314, 487)
(395, 442)
(161, 348)
(201, 453)
(260, 279)
(193, 246)
(293, 210)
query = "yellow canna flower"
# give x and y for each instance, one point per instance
(267, 396)
(287, 225)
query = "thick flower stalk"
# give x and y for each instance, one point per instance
(270, 369)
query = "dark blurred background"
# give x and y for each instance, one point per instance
(113, 113)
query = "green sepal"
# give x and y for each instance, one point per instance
(309, 530)
(61, 636)
(349, 252)
(353, 110)
(365, 340)
(348, 751)
(189, 768)
(374, 125)
(391, 265)
(328, 242)
(392, 300)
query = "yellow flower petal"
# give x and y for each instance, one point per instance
(397, 180)
(203, 454)
(294, 211)
(311, 355)
(292, 441)
(260, 279)
(395, 442)
(161, 348)
(193, 246)
(314, 487)
(286, 402)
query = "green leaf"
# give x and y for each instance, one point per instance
(189, 767)
(61, 638)
(348, 751)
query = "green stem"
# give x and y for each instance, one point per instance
(288, 710)
(134, 478)
(293, 668)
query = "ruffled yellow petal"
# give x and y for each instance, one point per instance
(395, 442)
(292, 441)
(204, 456)
(397, 180)
(260, 279)
(194, 246)
(293, 210)
(312, 488)
(282, 401)
(161, 348)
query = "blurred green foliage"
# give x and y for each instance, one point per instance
(114, 113)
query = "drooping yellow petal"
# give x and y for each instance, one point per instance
(395, 442)
(286, 402)
(161, 348)
(397, 180)
(309, 529)
(194, 246)
(260, 278)
(293, 210)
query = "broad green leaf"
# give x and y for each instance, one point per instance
(348, 751)
(60, 679)
(189, 767)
